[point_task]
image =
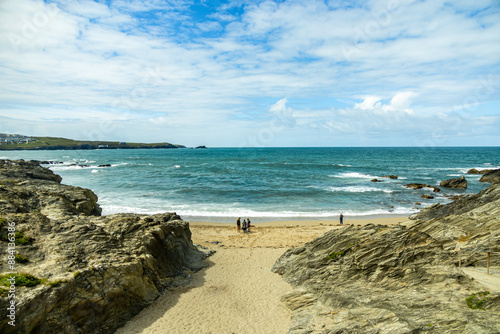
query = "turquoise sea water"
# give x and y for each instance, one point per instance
(264, 184)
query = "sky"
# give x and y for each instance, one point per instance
(243, 73)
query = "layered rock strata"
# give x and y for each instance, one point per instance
(94, 272)
(491, 176)
(399, 279)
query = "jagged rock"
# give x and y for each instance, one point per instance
(422, 185)
(48, 162)
(98, 272)
(475, 171)
(391, 176)
(455, 183)
(453, 197)
(460, 206)
(397, 279)
(79, 165)
(491, 177)
(27, 187)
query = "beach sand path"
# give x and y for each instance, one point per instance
(237, 293)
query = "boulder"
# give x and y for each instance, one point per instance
(475, 171)
(27, 187)
(397, 279)
(391, 176)
(491, 177)
(458, 183)
(427, 196)
(422, 185)
(376, 180)
(91, 273)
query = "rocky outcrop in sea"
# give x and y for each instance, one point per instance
(399, 279)
(492, 176)
(75, 270)
(455, 183)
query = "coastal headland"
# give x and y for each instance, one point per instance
(77, 271)
(21, 142)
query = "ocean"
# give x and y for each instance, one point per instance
(267, 184)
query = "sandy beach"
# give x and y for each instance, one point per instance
(237, 292)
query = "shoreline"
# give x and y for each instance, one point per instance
(389, 220)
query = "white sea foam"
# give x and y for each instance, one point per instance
(353, 175)
(65, 167)
(186, 212)
(113, 209)
(357, 189)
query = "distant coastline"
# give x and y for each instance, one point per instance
(21, 142)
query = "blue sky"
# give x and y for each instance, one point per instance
(253, 73)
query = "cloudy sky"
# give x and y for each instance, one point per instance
(253, 73)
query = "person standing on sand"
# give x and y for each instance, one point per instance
(341, 219)
(244, 226)
(248, 226)
(238, 224)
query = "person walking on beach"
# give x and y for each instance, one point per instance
(248, 225)
(238, 225)
(341, 219)
(244, 226)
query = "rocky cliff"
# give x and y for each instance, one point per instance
(77, 271)
(399, 279)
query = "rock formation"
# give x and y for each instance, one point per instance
(458, 183)
(398, 279)
(422, 185)
(87, 273)
(491, 177)
(476, 171)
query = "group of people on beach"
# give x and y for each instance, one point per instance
(245, 226)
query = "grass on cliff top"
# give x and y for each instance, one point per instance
(21, 279)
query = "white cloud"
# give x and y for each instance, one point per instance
(410, 62)
(368, 103)
(401, 101)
